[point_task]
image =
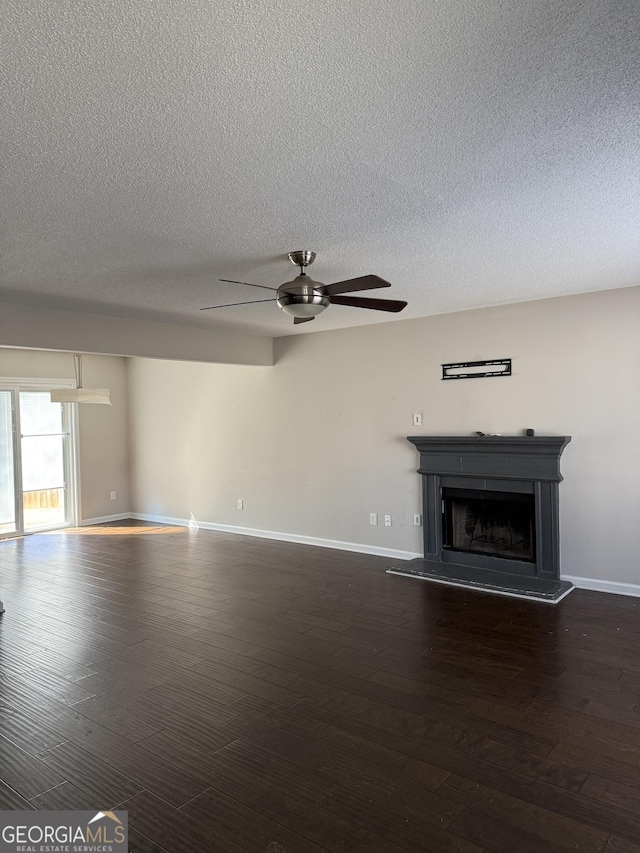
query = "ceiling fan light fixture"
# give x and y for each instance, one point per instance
(302, 310)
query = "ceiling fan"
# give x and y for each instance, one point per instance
(303, 298)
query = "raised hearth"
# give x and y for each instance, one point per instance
(491, 514)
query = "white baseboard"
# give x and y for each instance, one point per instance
(598, 585)
(283, 537)
(120, 516)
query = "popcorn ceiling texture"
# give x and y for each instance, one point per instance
(471, 153)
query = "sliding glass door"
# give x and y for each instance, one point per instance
(8, 514)
(37, 483)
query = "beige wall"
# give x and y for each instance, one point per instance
(103, 430)
(316, 443)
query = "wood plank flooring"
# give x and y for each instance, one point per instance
(237, 694)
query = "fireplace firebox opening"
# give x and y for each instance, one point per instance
(500, 524)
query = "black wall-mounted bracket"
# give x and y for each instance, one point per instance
(477, 369)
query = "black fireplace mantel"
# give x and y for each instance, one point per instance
(516, 464)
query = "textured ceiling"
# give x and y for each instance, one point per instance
(471, 153)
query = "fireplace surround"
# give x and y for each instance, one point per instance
(491, 514)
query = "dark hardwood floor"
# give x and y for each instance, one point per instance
(237, 694)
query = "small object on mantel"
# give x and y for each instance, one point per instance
(479, 433)
(529, 432)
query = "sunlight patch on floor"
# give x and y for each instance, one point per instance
(129, 530)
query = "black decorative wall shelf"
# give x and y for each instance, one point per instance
(474, 369)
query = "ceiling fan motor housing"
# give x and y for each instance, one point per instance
(302, 297)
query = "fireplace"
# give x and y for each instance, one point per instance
(491, 513)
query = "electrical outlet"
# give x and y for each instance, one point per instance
(240, 503)
(387, 521)
(373, 518)
(417, 419)
(113, 496)
(417, 520)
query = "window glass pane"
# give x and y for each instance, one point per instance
(42, 462)
(38, 415)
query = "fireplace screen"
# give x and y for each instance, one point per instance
(500, 524)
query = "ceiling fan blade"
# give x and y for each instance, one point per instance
(363, 282)
(231, 304)
(394, 305)
(297, 320)
(248, 284)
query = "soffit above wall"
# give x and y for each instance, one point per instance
(472, 154)
(39, 328)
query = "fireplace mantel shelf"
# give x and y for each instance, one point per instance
(516, 457)
(492, 443)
